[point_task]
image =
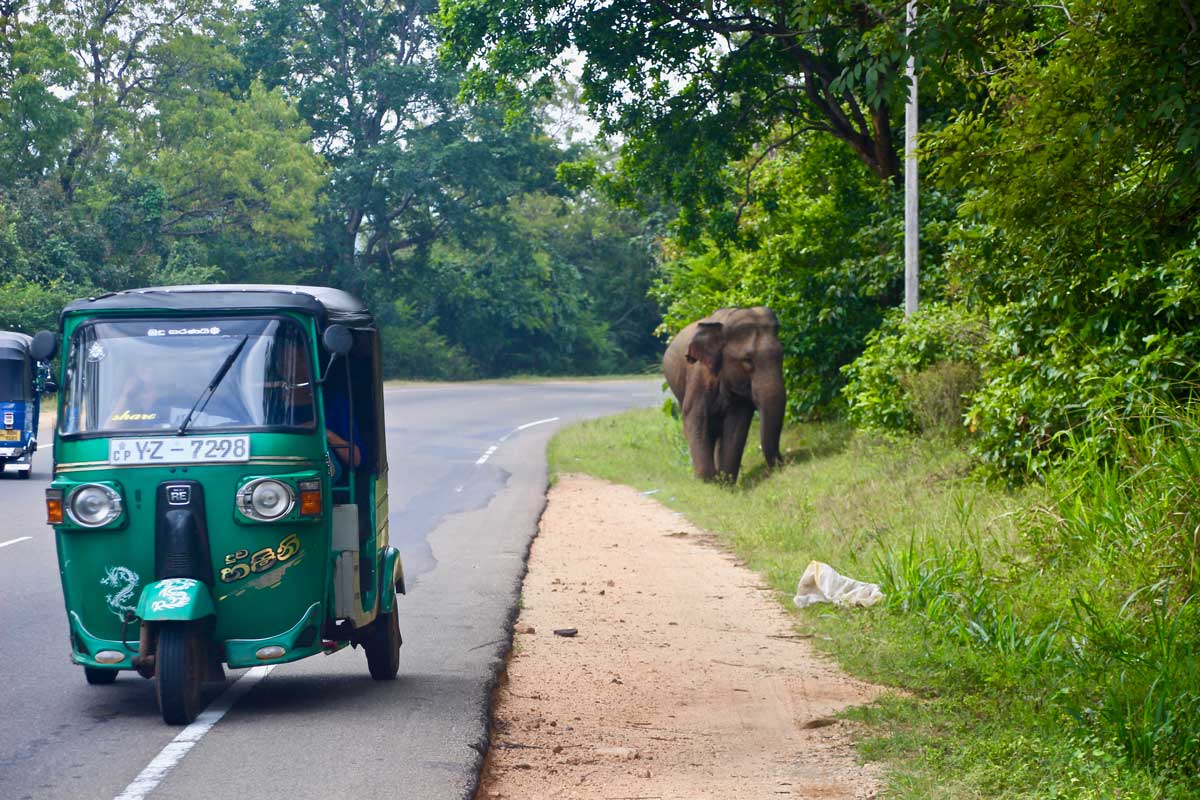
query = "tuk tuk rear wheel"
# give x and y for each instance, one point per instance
(179, 672)
(99, 677)
(383, 648)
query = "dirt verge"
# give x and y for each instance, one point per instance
(684, 677)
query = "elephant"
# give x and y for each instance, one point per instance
(721, 369)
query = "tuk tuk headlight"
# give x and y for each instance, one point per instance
(93, 506)
(266, 499)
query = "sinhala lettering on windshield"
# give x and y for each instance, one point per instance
(208, 331)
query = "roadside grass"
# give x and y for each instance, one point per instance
(1042, 650)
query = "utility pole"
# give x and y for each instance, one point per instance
(912, 225)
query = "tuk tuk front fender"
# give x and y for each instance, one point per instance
(175, 600)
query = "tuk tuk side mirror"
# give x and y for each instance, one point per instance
(44, 347)
(339, 341)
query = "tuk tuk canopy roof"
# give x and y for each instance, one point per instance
(329, 306)
(14, 346)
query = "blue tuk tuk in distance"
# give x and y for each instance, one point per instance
(22, 381)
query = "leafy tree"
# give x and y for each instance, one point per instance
(1079, 228)
(409, 162)
(438, 208)
(128, 131)
(820, 243)
(693, 85)
(513, 306)
(36, 124)
(614, 250)
(123, 48)
(232, 167)
(30, 307)
(413, 348)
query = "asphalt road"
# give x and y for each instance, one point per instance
(467, 485)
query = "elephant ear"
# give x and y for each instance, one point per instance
(707, 344)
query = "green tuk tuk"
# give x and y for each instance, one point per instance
(220, 484)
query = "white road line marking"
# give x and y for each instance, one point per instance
(505, 437)
(538, 422)
(15, 541)
(154, 773)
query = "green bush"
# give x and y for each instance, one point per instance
(30, 307)
(1124, 534)
(412, 348)
(1049, 373)
(914, 372)
(939, 394)
(1078, 227)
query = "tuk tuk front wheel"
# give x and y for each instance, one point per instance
(383, 648)
(99, 677)
(179, 671)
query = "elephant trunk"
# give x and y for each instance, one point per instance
(770, 399)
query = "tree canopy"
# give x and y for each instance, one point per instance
(145, 143)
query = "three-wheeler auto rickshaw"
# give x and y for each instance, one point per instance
(220, 484)
(22, 381)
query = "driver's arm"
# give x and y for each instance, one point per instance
(341, 447)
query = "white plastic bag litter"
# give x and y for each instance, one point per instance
(822, 584)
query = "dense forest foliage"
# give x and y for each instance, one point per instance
(1058, 230)
(193, 141)
(428, 157)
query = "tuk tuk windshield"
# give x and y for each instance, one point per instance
(16, 385)
(146, 375)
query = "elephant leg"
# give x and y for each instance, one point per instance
(734, 431)
(701, 441)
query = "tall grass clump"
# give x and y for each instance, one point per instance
(1126, 532)
(1094, 610)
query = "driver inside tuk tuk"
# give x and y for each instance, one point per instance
(291, 362)
(141, 401)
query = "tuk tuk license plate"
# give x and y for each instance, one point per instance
(10, 436)
(188, 450)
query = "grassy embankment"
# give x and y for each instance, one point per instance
(1045, 638)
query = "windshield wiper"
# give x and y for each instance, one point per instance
(207, 394)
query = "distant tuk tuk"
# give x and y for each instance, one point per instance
(220, 484)
(22, 381)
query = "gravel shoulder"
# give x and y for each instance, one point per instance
(685, 677)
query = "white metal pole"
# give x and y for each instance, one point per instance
(911, 210)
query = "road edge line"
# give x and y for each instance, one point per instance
(166, 760)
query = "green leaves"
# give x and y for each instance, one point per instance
(36, 122)
(1079, 226)
(235, 167)
(690, 87)
(880, 385)
(818, 241)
